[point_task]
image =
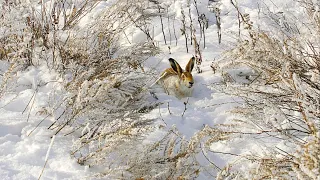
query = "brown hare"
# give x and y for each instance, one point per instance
(177, 82)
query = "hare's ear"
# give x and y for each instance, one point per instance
(190, 65)
(175, 66)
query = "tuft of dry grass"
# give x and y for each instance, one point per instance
(282, 102)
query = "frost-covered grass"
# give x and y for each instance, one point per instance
(85, 80)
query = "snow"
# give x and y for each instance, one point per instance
(23, 155)
(23, 144)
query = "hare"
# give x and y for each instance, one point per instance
(177, 82)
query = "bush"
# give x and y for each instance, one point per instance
(282, 99)
(105, 98)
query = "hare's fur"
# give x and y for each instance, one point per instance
(177, 82)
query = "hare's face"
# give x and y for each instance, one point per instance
(187, 79)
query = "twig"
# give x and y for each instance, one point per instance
(169, 25)
(288, 154)
(162, 117)
(57, 119)
(32, 103)
(169, 109)
(185, 107)
(255, 78)
(162, 27)
(38, 125)
(191, 22)
(47, 156)
(239, 14)
(198, 14)
(204, 154)
(212, 105)
(16, 96)
(34, 99)
(126, 37)
(183, 29)
(62, 126)
(72, 131)
(218, 152)
(174, 30)
(34, 93)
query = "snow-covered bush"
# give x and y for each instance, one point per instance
(107, 101)
(15, 41)
(105, 94)
(172, 157)
(31, 33)
(281, 96)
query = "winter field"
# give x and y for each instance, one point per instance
(78, 99)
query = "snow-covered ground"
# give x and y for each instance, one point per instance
(23, 156)
(24, 140)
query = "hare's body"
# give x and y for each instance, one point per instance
(175, 81)
(173, 86)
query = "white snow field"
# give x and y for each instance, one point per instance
(23, 157)
(25, 139)
(24, 135)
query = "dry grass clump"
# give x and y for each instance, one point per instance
(282, 100)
